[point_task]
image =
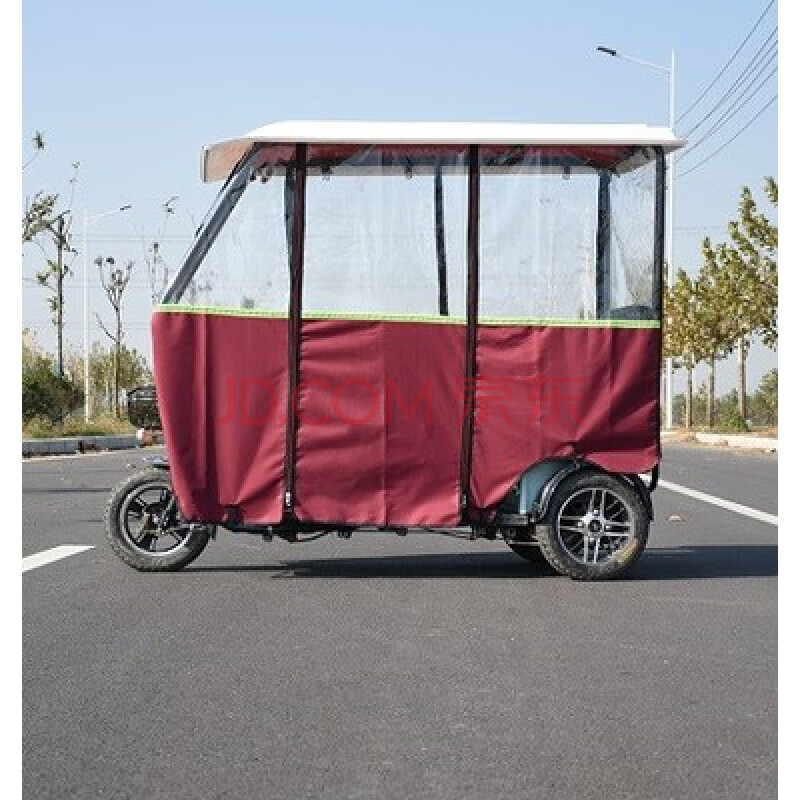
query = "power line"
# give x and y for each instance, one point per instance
(728, 116)
(746, 73)
(730, 61)
(735, 136)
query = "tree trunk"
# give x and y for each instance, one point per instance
(712, 374)
(117, 348)
(60, 299)
(743, 379)
(689, 394)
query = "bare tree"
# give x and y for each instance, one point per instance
(115, 281)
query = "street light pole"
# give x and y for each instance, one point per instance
(670, 228)
(87, 406)
(670, 249)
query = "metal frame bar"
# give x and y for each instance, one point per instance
(295, 311)
(235, 185)
(441, 254)
(603, 263)
(658, 251)
(658, 282)
(473, 258)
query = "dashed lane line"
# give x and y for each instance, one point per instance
(53, 554)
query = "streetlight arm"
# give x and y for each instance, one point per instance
(94, 217)
(609, 51)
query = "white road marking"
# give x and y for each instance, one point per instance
(737, 508)
(53, 554)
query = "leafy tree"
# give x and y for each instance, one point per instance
(45, 228)
(746, 280)
(764, 403)
(683, 332)
(714, 340)
(38, 214)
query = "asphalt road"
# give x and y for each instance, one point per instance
(387, 667)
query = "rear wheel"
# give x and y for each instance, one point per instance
(144, 526)
(529, 550)
(595, 528)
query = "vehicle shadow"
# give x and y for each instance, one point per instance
(659, 564)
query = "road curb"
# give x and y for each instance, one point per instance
(767, 443)
(69, 445)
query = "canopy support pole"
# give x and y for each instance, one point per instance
(441, 255)
(468, 425)
(294, 324)
(603, 266)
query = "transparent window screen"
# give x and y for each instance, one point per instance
(566, 242)
(386, 233)
(247, 265)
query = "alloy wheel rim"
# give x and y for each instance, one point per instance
(593, 525)
(150, 523)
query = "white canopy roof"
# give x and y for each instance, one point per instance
(220, 158)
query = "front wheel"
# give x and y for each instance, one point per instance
(144, 526)
(595, 528)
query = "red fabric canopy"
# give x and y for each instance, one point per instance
(380, 406)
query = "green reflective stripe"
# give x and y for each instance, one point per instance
(366, 317)
(539, 322)
(220, 311)
(554, 322)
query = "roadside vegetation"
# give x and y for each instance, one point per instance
(53, 405)
(53, 402)
(762, 408)
(733, 299)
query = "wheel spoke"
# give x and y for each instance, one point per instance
(624, 526)
(136, 507)
(573, 529)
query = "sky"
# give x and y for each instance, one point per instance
(132, 92)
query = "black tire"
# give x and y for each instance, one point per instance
(610, 542)
(147, 495)
(530, 552)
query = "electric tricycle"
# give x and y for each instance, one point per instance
(414, 327)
